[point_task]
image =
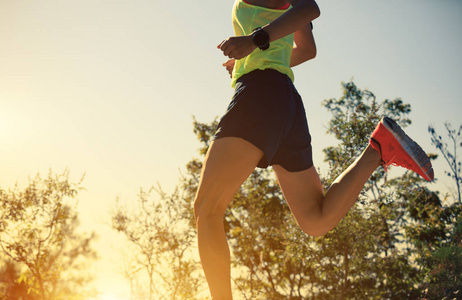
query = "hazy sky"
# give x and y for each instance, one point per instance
(109, 88)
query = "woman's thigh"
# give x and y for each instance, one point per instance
(228, 163)
(303, 192)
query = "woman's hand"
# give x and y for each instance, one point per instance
(237, 47)
(229, 65)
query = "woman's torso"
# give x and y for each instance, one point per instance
(250, 14)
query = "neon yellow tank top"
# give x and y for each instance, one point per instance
(246, 18)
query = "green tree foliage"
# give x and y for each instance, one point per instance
(38, 231)
(161, 240)
(444, 281)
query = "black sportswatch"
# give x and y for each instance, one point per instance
(260, 38)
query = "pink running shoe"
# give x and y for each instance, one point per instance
(398, 149)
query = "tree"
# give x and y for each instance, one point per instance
(445, 277)
(38, 230)
(450, 156)
(443, 264)
(161, 241)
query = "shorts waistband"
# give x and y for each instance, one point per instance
(264, 74)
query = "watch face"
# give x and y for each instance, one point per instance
(261, 39)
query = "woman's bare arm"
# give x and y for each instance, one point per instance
(296, 18)
(305, 46)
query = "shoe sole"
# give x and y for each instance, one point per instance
(410, 147)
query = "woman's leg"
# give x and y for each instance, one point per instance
(315, 212)
(228, 163)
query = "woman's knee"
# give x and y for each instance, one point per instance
(314, 228)
(207, 206)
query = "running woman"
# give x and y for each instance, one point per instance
(265, 124)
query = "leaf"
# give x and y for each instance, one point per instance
(22, 278)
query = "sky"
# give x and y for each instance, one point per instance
(109, 89)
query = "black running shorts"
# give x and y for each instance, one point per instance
(267, 111)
